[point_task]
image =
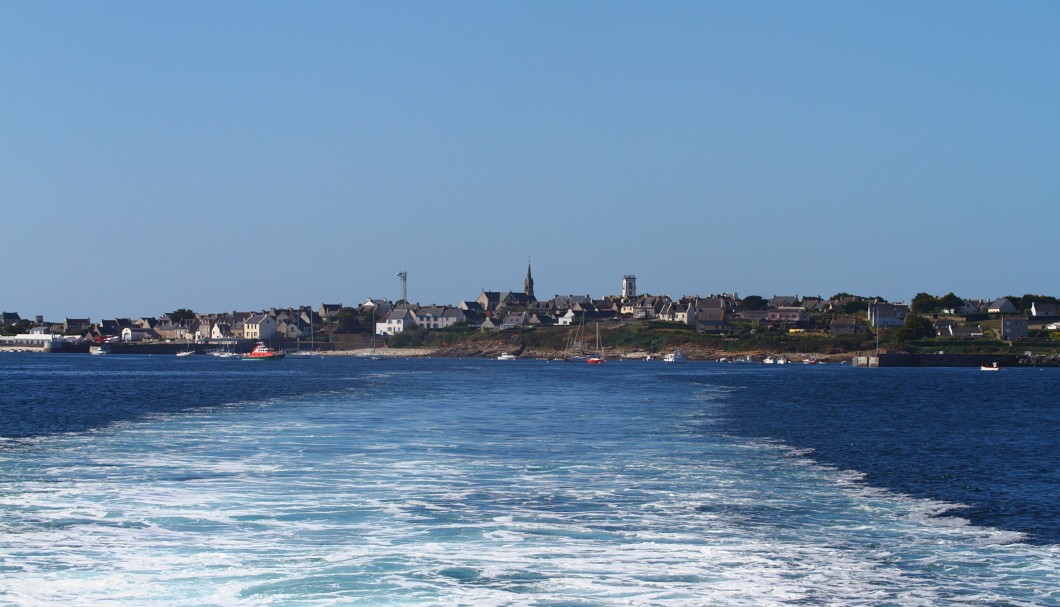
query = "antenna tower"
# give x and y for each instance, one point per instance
(404, 277)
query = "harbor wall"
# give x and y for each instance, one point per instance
(937, 360)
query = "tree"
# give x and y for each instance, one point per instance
(950, 301)
(925, 303)
(181, 315)
(348, 320)
(916, 327)
(753, 302)
(1024, 303)
(855, 306)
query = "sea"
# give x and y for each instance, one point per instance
(342, 481)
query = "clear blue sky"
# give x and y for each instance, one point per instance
(242, 155)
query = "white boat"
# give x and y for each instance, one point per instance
(597, 358)
(99, 350)
(676, 356)
(769, 360)
(186, 353)
(991, 367)
(506, 356)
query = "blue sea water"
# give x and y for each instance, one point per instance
(340, 481)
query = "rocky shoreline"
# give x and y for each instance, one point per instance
(495, 350)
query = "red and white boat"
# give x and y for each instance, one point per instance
(263, 352)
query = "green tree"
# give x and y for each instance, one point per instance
(855, 306)
(181, 315)
(916, 327)
(950, 301)
(925, 303)
(753, 302)
(1024, 303)
(348, 320)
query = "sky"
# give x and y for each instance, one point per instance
(224, 156)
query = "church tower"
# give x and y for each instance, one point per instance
(528, 284)
(629, 286)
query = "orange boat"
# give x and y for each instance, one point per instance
(263, 352)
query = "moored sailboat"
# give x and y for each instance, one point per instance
(598, 357)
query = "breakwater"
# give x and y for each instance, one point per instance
(953, 360)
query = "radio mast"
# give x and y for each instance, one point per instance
(404, 277)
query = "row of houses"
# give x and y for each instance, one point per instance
(502, 311)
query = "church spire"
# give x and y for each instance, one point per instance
(528, 284)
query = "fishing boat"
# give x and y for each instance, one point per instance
(991, 367)
(506, 356)
(263, 352)
(99, 350)
(676, 356)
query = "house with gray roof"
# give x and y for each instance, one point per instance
(846, 325)
(1002, 306)
(329, 311)
(712, 320)
(397, 321)
(259, 327)
(1014, 327)
(1039, 308)
(515, 320)
(71, 325)
(966, 331)
(887, 314)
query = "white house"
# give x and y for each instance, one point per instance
(259, 327)
(396, 321)
(134, 334)
(220, 331)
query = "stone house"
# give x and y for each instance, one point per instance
(846, 325)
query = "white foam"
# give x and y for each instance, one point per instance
(299, 511)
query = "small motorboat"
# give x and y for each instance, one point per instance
(676, 356)
(506, 356)
(991, 367)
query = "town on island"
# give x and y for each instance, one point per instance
(929, 330)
